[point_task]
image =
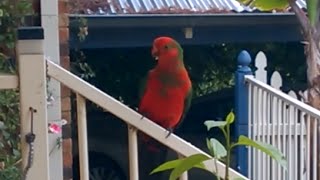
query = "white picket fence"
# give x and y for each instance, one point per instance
(283, 121)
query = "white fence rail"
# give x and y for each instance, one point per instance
(284, 122)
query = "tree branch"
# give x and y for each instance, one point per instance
(317, 28)
(301, 16)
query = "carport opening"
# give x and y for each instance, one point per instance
(118, 71)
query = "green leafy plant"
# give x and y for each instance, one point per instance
(218, 151)
(13, 14)
(9, 135)
(79, 65)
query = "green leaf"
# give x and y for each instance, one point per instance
(2, 38)
(166, 166)
(210, 147)
(10, 45)
(187, 164)
(266, 5)
(2, 126)
(230, 118)
(16, 152)
(312, 6)
(211, 124)
(264, 147)
(218, 149)
(5, 134)
(171, 165)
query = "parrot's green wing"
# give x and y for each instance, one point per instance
(187, 104)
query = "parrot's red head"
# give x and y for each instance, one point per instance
(167, 51)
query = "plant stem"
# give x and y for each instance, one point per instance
(228, 152)
(17, 162)
(227, 139)
(216, 166)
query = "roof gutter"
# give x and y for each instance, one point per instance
(185, 20)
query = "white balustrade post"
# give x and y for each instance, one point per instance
(33, 104)
(133, 153)
(183, 176)
(83, 137)
(50, 22)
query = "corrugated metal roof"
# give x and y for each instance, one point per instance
(105, 7)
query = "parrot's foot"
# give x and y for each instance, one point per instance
(170, 130)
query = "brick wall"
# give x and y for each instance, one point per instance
(65, 92)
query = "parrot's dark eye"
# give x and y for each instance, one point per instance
(166, 47)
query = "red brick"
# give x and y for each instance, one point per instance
(64, 49)
(67, 152)
(66, 115)
(65, 104)
(67, 173)
(66, 131)
(64, 6)
(65, 62)
(65, 91)
(36, 6)
(63, 20)
(63, 35)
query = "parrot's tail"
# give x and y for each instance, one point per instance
(151, 144)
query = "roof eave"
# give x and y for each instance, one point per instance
(116, 30)
(184, 20)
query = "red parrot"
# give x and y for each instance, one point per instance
(167, 90)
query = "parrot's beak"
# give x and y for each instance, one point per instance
(155, 53)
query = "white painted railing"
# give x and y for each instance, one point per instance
(129, 116)
(286, 123)
(8, 81)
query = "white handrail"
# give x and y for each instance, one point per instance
(9, 81)
(132, 117)
(292, 101)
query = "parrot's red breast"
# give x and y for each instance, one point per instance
(162, 103)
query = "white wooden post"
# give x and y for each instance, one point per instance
(183, 176)
(32, 73)
(83, 137)
(133, 153)
(49, 22)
